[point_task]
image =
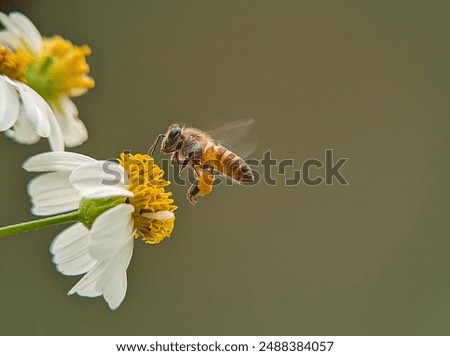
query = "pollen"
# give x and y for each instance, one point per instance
(14, 64)
(205, 183)
(153, 208)
(60, 69)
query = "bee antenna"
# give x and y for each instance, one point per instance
(151, 150)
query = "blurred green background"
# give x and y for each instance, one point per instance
(369, 79)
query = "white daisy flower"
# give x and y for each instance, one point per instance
(52, 67)
(25, 116)
(117, 202)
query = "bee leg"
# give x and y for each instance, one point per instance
(183, 165)
(174, 158)
(192, 193)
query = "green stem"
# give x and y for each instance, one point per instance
(39, 224)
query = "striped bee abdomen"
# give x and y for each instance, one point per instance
(228, 163)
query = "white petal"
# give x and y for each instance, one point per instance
(11, 82)
(73, 129)
(56, 161)
(55, 139)
(160, 215)
(76, 265)
(36, 109)
(10, 25)
(108, 277)
(23, 130)
(100, 179)
(86, 286)
(113, 283)
(110, 230)
(52, 193)
(9, 105)
(46, 183)
(70, 250)
(29, 32)
(9, 39)
(53, 210)
(68, 237)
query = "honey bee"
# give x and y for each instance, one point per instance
(204, 153)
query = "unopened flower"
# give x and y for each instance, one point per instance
(53, 67)
(117, 202)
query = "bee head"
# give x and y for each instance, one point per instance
(172, 139)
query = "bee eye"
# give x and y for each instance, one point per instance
(174, 132)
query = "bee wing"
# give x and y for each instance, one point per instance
(236, 136)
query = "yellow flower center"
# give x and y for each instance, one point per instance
(14, 64)
(153, 218)
(60, 69)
